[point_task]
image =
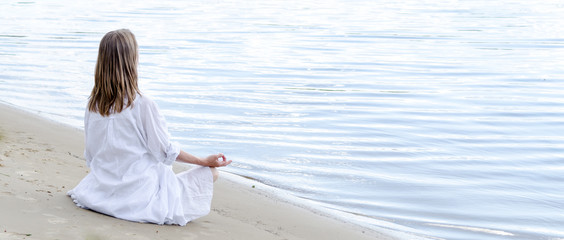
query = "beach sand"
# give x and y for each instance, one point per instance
(41, 160)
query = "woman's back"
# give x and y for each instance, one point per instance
(116, 148)
(123, 138)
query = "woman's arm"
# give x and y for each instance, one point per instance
(209, 161)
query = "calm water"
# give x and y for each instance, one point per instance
(440, 119)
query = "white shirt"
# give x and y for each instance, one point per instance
(130, 155)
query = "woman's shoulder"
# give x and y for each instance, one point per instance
(143, 99)
(145, 102)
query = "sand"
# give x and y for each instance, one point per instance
(41, 160)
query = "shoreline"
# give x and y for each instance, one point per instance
(40, 160)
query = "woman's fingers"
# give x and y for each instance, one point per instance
(224, 163)
(221, 160)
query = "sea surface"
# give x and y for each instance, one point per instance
(434, 119)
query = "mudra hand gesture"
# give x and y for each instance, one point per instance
(215, 160)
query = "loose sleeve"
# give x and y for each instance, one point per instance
(156, 134)
(87, 155)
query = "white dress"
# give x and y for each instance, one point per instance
(130, 156)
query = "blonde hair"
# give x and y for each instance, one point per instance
(115, 77)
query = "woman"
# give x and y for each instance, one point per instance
(128, 150)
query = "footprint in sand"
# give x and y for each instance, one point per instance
(53, 219)
(9, 194)
(29, 199)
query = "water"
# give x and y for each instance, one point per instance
(442, 118)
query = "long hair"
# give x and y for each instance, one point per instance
(115, 77)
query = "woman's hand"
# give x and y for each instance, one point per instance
(215, 160)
